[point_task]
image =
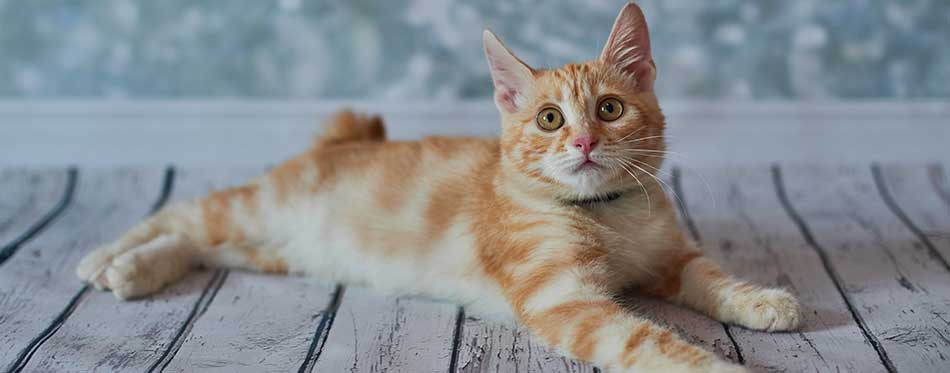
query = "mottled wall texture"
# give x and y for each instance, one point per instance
(415, 49)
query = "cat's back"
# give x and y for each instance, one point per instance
(417, 183)
(388, 165)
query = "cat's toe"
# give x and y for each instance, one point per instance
(142, 270)
(128, 277)
(770, 310)
(93, 264)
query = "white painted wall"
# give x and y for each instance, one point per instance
(102, 133)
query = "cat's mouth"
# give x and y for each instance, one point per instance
(586, 165)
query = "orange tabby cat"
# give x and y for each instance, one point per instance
(544, 226)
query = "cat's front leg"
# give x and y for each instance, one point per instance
(582, 321)
(691, 279)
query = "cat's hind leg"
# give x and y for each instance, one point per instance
(224, 229)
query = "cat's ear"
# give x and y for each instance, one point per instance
(513, 79)
(628, 47)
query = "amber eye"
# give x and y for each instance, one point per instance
(609, 109)
(550, 119)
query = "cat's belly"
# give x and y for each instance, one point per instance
(336, 241)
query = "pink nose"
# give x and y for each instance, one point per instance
(585, 143)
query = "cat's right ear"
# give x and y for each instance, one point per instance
(513, 79)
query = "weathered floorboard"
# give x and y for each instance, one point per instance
(487, 346)
(742, 225)
(372, 333)
(922, 193)
(28, 200)
(106, 333)
(39, 281)
(897, 288)
(691, 325)
(256, 323)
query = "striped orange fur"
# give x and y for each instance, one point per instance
(546, 224)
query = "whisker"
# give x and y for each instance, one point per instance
(606, 150)
(652, 167)
(631, 134)
(660, 182)
(641, 139)
(647, 150)
(705, 181)
(661, 153)
(643, 187)
(652, 151)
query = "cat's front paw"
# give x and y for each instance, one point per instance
(767, 309)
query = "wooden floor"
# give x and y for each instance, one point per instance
(864, 246)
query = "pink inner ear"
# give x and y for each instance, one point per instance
(628, 47)
(505, 90)
(512, 78)
(506, 97)
(508, 83)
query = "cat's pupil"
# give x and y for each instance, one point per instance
(609, 108)
(549, 117)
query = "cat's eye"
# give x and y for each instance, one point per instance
(550, 119)
(609, 109)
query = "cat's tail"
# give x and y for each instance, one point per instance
(348, 126)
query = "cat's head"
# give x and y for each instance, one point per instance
(582, 130)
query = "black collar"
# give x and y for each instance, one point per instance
(604, 198)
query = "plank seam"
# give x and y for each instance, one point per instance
(24, 357)
(895, 208)
(779, 183)
(198, 309)
(168, 185)
(457, 339)
(323, 331)
(694, 232)
(65, 200)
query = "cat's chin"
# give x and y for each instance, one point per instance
(586, 181)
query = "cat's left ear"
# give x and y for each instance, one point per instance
(628, 47)
(514, 80)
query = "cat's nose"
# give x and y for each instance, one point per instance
(585, 143)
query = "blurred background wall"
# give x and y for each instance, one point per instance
(424, 49)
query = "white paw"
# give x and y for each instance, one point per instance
(94, 263)
(769, 309)
(129, 276)
(140, 271)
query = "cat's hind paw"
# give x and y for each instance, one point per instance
(140, 271)
(93, 264)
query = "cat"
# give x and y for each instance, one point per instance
(545, 225)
